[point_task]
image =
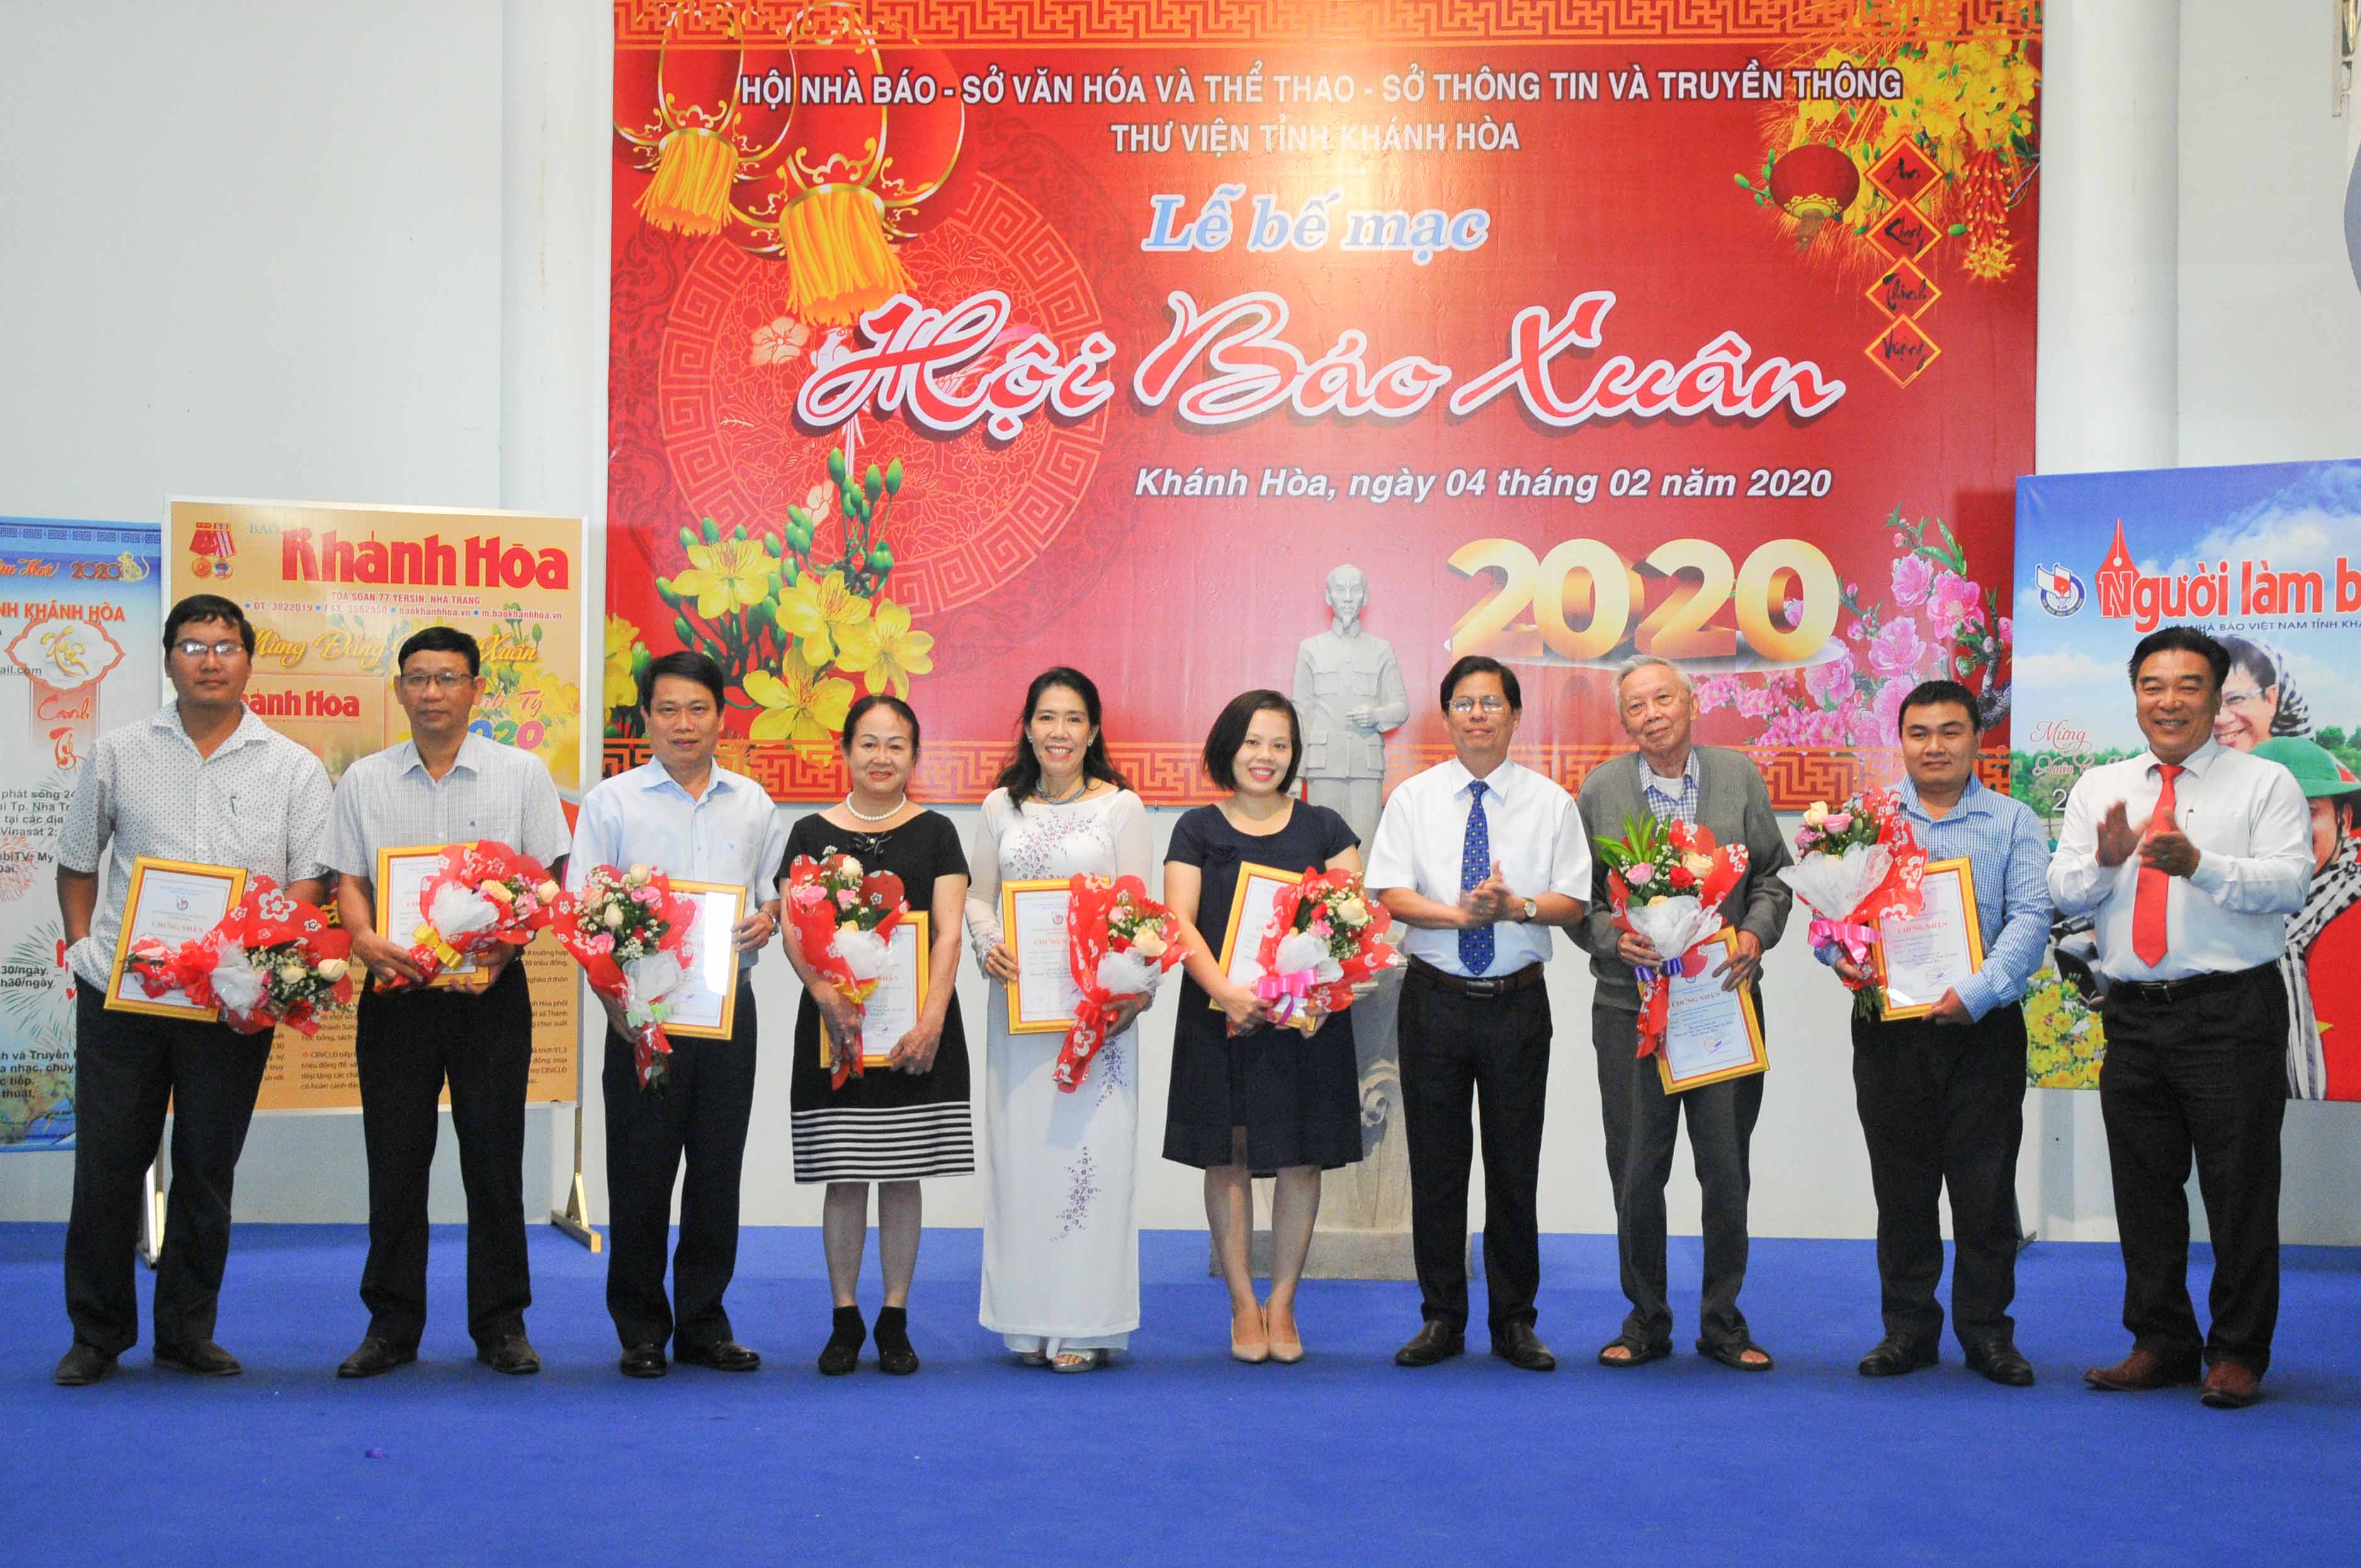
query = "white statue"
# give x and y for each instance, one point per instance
(1348, 693)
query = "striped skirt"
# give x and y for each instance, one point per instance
(883, 1126)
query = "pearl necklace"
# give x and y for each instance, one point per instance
(888, 815)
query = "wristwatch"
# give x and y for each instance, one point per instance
(1532, 911)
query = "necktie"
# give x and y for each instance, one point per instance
(1475, 865)
(2155, 886)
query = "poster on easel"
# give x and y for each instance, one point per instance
(80, 623)
(334, 590)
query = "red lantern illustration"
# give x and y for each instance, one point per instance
(1812, 184)
(693, 115)
(850, 175)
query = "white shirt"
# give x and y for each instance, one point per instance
(259, 801)
(388, 800)
(1536, 835)
(730, 834)
(2252, 833)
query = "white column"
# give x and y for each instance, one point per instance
(2108, 386)
(558, 72)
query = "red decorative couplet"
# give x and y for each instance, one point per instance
(1904, 172)
(1902, 351)
(1903, 291)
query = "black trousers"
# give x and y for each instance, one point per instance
(127, 1067)
(1721, 1126)
(700, 1117)
(1943, 1105)
(408, 1044)
(1453, 1048)
(2203, 1076)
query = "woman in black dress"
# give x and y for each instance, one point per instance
(909, 1118)
(1269, 1101)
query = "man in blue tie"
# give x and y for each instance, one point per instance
(1478, 856)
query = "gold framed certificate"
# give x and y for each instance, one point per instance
(1257, 887)
(175, 901)
(402, 877)
(892, 1010)
(1917, 958)
(705, 1007)
(1710, 1034)
(1043, 997)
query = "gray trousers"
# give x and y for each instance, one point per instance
(1642, 1124)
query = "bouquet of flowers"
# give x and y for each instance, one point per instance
(481, 897)
(1666, 881)
(630, 933)
(843, 918)
(1855, 866)
(1120, 942)
(1323, 939)
(271, 959)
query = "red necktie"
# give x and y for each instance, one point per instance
(2155, 886)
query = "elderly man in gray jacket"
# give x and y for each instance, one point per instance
(1720, 789)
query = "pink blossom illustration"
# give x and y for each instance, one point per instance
(1896, 648)
(1913, 576)
(1831, 681)
(1952, 601)
(781, 343)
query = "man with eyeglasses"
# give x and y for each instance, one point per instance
(202, 780)
(1715, 788)
(1479, 857)
(446, 785)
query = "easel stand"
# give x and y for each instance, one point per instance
(575, 1218)
(151, 1211)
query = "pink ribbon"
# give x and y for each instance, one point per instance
(1284, 993)
(1854, 939)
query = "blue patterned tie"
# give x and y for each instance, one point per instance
(1475, 865)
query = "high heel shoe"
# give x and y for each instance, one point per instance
(1286, 1351)
(1248, 1350)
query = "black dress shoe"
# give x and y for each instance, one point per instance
(894, 1354)
(202, 1356)
(843, 1351)
(375, 1355)
(2000, 1361)
(644, 1360)
(1895, 1356)
(1519, 1346)
(722, 1356)
(510, 1353)
(83, 1365)
(1435, 1341)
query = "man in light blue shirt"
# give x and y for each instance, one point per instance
(688, 817)
(1942, 1096)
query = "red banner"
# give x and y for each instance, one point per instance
(947, 345)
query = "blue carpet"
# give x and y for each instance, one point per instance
(1177, 1454)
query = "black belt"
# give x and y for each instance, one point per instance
(2165, 992)
(1489, 986)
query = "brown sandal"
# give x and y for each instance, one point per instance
(1639, 1352)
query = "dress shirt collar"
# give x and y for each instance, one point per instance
(2198, 762)
(1972, 801)
(655, 776)
(249, 730)
(1496, 783)
(1649, 775)
(470, 757)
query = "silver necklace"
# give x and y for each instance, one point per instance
(889, 813)
(1075, 794)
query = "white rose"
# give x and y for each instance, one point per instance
(547, 892)
(614, 918)
(852, 867)
(290, 973)
(637, 876)
(1149, 943)
(1352, 911)
(333, 970)
(1817, 813)
(1699, 865)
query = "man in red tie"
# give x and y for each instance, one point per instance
(2189, 857)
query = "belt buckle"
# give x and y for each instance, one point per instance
(1485, 985)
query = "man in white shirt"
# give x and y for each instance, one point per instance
(690, 818)
(202, 780)
(446, 784)
(1480, 858)
(2190, 858)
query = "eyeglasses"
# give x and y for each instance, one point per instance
(190, 648)
(2241, 697)
(1463, 706)
(440, 680)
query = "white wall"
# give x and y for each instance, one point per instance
(365, 257)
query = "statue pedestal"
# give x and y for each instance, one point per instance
(1364, 1229)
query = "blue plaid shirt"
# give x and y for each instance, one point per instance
(1682, 805)
(2008, 849)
